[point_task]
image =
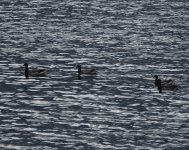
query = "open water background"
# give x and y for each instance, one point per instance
(127, 41)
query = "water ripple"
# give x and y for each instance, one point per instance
(127, 42)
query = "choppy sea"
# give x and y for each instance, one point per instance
(127, 42)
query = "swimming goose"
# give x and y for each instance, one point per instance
(164, 84)
(85, 71)
(34, 72)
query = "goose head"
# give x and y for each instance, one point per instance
(79, 69)
(156, 76)
(78, 66)
(25, 64)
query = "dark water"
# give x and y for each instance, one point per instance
(127, 42)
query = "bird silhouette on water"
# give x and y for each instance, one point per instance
(34, 72)
(164, 84)
(85, 71)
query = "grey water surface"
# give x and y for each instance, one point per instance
(127, 42)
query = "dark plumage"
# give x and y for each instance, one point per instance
(158, 83)
(164, 84)
(85, 71)
(34, 72)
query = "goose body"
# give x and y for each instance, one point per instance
(34, 72)
(86, 71)
(164, 84)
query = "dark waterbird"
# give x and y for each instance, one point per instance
(86, 71)
(34, 72)
(164, 84)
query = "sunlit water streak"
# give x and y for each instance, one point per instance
(127, 42)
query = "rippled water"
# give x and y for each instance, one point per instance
(127, 42)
